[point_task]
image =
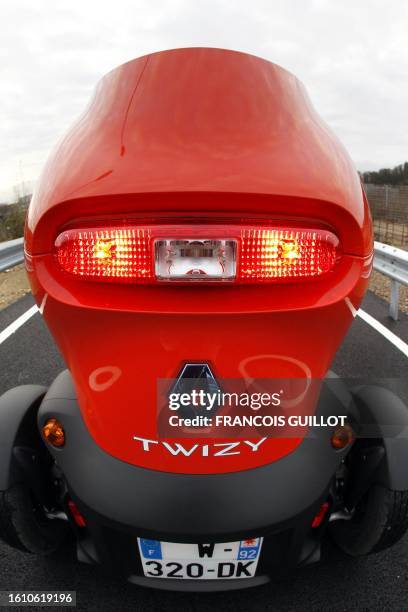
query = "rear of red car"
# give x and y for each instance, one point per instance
(199, 214)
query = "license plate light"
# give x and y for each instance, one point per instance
(195, 259)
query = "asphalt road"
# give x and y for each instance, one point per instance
(338, 583)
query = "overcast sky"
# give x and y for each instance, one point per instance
(351, 55)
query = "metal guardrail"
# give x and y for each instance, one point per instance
(11, 253)
(393, 263)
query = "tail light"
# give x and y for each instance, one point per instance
(276, 254)
(239, 254)
(118, 254)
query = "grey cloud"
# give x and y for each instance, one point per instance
(352, 57)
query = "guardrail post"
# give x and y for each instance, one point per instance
(394, 301)
(392, 262)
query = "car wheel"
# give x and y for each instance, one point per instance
(25, 524)
(379, 520)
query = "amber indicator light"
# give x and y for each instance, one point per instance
(342, 436)
(54, 433)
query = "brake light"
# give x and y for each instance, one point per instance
(201, 253)
(115, 254)
(268, 254)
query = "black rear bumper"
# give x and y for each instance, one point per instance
(122, 502)
(189, 507)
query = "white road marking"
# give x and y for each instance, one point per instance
(13, 327)
(384, 331)
(350, 305)
(42, 305)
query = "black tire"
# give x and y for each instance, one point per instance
(379, 521)
(25, 526)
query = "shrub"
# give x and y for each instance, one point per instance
(12, 222)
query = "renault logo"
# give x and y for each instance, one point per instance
(195, 376)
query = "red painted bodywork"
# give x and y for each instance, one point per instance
(195, 136)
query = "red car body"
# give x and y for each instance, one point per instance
(187, 137)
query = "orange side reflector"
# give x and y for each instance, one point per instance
(342, 436)
(54, 433)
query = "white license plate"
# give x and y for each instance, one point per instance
(227, 560)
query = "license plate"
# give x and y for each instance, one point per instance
(227, 560)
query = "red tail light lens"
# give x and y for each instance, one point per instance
(200, 253)
(116, 254)
(272, 254)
